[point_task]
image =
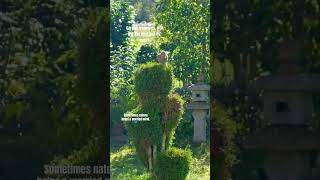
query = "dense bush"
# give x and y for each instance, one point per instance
(173, 164)
(146, 53)
(183, 135)
(38, 77)
(153, 85)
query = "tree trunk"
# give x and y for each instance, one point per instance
(150, 157)
(163, 147)
(164, 134)
(154, 154)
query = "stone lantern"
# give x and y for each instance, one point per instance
(287, 137)
(200, 107)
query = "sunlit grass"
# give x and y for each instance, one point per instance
(126, 166)
(200, 167)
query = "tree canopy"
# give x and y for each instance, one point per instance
(185, 34)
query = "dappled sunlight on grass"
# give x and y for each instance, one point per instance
(126, 166)
(200, 167)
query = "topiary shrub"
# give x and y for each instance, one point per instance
(153, 85)
(146, 53)
(173, 164)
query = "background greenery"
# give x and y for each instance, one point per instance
(42, 113)
(246, 37)
(188, 50)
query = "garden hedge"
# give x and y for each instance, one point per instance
(173, 164)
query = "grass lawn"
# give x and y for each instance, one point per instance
(126, 166)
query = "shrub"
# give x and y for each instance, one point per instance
(146, 53)
(153, 85)
(173, 164)
(174, 109)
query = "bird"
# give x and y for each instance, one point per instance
(162, 58)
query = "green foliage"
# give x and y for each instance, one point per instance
(145, 132)
(93, 75)
(146, 53)
(221, 72)
(24, 26)
(145, 10)
(183, 135)
(122, 61)
(86, 155)
(201, 165)
(151, 132)
(173, 107)
(14, 111)
(256, 50)
(173, 164)
(185, 33)
(93, 61)
(122, 96)
(124, 164)
(225, 124)
(38, 81)
(153, 83)
(26, 56)
(122, 16)
(239, 60)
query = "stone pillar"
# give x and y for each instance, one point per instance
(200, 107)
(199, 116)
(287, 101)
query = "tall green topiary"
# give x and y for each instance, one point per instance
(153, 85)
(173, 164)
